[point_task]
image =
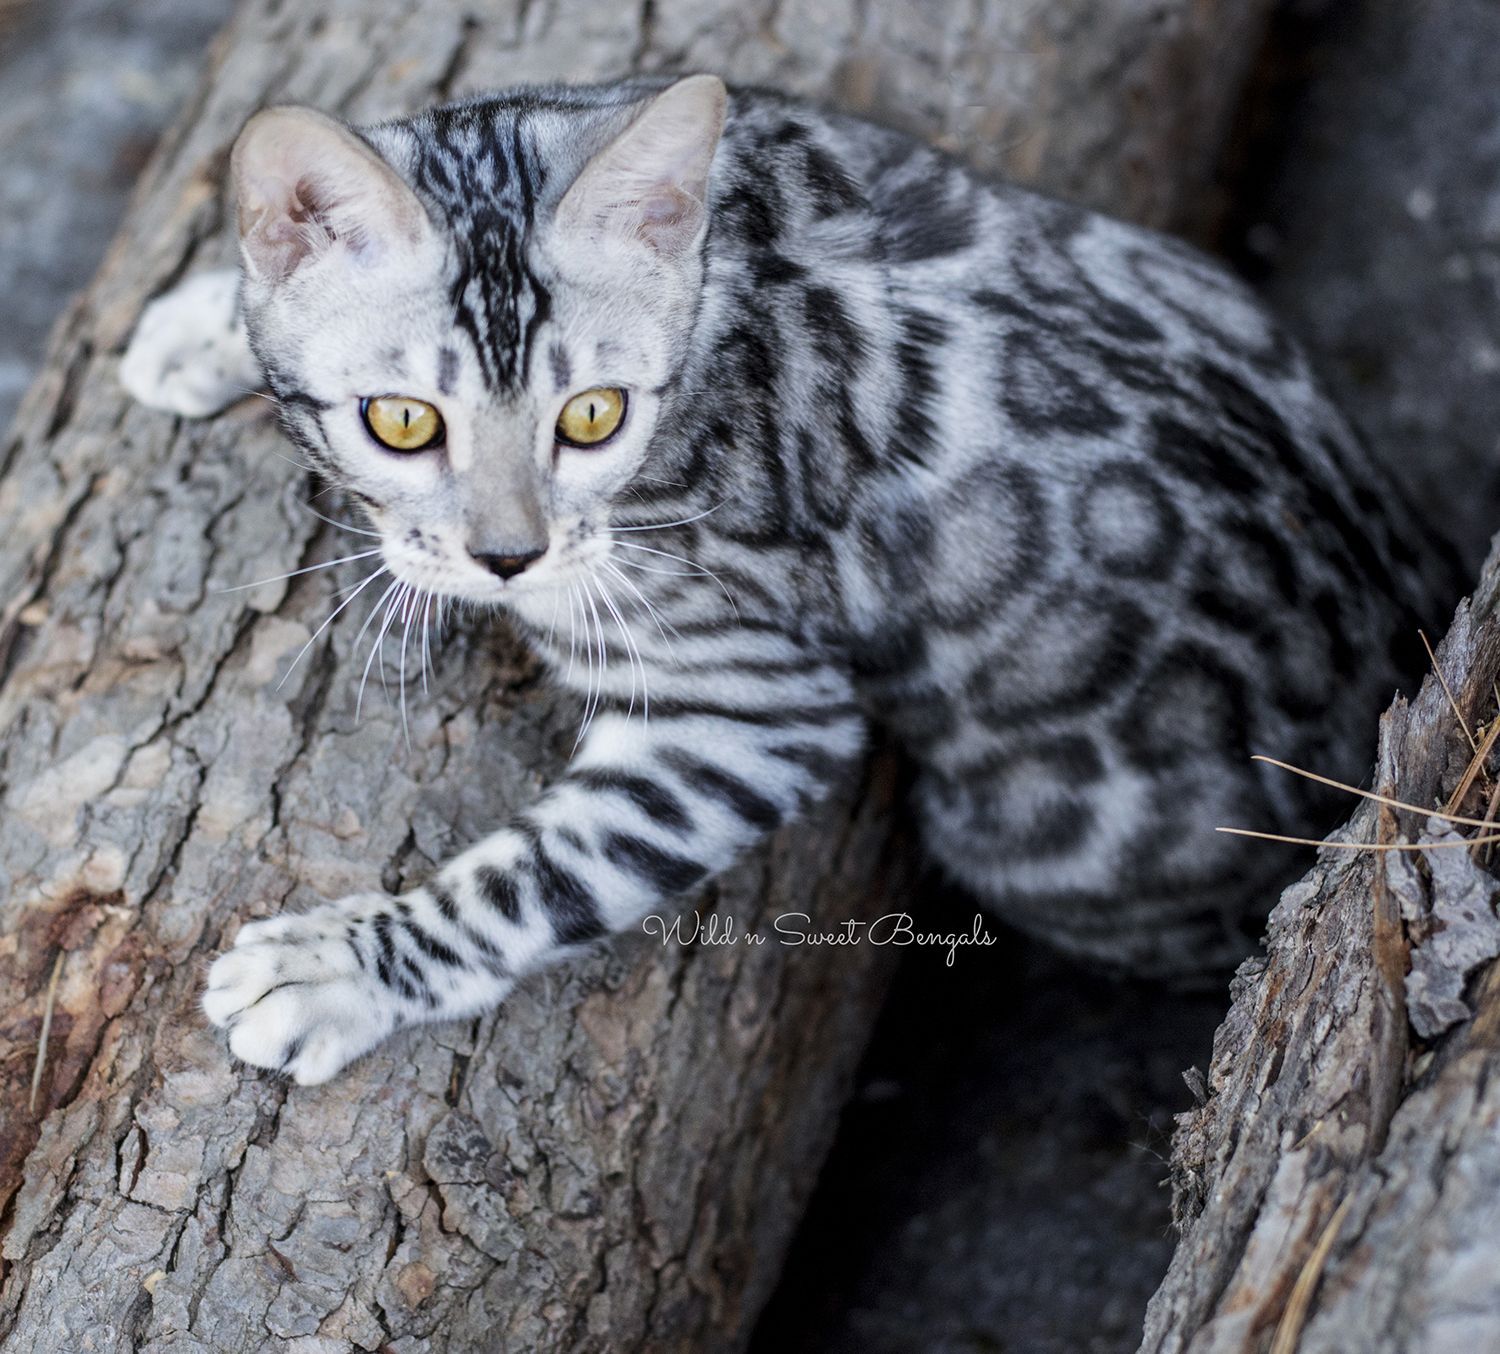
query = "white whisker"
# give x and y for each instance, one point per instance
(552, 624)
(413, 599)
(572, 636)
(657, 569)
(650, 610)
(358, 588)
(292, 460)
(681, 522)
(588, 592)
(375, 611)
(297, 573)
(334, 522)
(390, 620)
(426, 651)
(695, 567)
(390, 612)
(632, 652)
(588, 686)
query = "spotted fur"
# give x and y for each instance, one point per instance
(1049, 499)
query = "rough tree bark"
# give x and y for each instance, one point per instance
(1337, 1185)
(617, 1158)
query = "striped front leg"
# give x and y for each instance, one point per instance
(647, 810)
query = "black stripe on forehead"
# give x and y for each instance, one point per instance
(477, 167)
(497, 300)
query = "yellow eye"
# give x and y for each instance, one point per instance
(402, 424)
(591, 417)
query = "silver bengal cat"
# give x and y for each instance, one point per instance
(770, 426)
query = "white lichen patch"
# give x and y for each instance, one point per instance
(52, 802)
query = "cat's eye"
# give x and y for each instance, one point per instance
(401, 423)
(591, 417)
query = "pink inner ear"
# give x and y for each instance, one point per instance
(304, 205)
(664, 205)
(313, 206)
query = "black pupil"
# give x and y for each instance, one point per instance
(591, 411)
(406, 417)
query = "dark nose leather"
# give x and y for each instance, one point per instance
(508, 566)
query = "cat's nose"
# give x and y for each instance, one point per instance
(507, 566)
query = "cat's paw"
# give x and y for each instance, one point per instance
(293, 994)
(189, 354)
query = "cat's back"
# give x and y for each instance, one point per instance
(1094, 498)
(982, 330)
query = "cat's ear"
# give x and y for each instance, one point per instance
(306, 184)
(651, 182)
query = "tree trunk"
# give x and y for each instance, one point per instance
(1337, 1184)
(617, 1159)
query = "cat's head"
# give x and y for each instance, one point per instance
(471, 316)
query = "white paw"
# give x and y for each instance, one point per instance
(189, 354)
(293, 996)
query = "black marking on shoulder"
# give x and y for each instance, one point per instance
(769, 268)
(830, 188)
(751, 214)
(912, 437)
(1189, 703)
(1210, 463)
(1044, 389)
(1126, 522)
(815, 759)
(444, 901)
(938, 219)
(837, 338)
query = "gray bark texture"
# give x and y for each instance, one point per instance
(1338, 1184)
(617, 1158)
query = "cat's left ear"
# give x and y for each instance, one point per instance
(651, 182)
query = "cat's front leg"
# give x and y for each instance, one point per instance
(645, 812)
(189, 354)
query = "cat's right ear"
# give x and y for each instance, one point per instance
(650, 184)
(308, 185)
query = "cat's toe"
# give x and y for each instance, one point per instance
(238, 980)
(309, 1030)
(294, 997)
(257, 966)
